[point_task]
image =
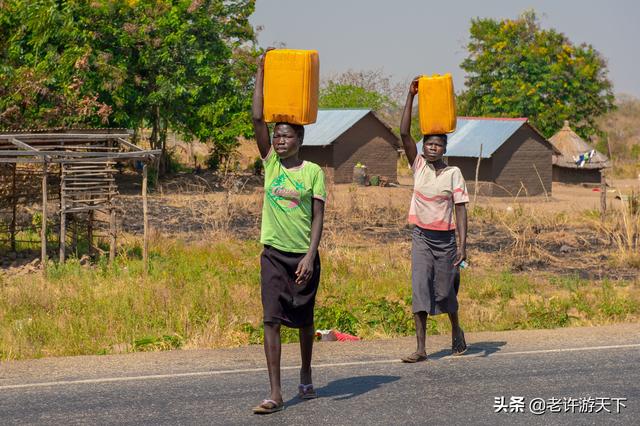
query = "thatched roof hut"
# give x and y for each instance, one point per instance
(575, 160)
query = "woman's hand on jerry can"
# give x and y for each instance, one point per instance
(413, 87)
(264, 55)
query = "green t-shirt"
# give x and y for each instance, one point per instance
(286, 212)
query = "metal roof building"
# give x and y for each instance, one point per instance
(515, 159)
(331, 123)
(341, 138)
(471, 132)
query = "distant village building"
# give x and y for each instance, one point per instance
(575, 160)
(341, 138)
(515, 157)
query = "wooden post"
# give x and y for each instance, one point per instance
(90, 232)
(475, 187)
(603, 194)
(14, 203)
(546, 195)
(74, 237)
(63, 217)
(112, 233)
(43, 230)
(145, 246)
(112, 217)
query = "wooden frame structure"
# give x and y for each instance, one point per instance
(83, 165)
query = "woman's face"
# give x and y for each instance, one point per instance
(285, 141)
(434, 148)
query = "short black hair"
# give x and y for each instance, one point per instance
(442, 136)
(298, 128)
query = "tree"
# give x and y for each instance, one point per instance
(360, 89)
(516, 68)
(350, 96)
(41, 71)
(184, 65)
(370, 89)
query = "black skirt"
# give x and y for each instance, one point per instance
(284, 301)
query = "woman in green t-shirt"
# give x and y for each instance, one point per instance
(292, 218)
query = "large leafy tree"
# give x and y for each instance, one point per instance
(184, 65)
(516, 68)
(42, 68)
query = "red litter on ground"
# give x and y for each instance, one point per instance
(335, 335)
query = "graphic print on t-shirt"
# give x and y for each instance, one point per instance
(285, 192)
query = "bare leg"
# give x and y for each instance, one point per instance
(272, 349)
(421, 336)
(307, 335)
(455, 325)
(420, 319)
(458, 344)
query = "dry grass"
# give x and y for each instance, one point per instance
(532, 266)
(206, 295)
(622, 127)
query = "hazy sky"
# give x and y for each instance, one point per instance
(411, 37)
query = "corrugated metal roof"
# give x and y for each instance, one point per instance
(330, 124)
(471, 132)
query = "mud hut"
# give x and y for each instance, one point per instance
(575, 161)
(341, 138)
(511, 156)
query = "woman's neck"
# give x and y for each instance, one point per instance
(438, 164)
(291, 162)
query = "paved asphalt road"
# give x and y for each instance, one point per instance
(358, 383)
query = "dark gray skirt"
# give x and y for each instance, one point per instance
(434, 279)
(284, 301)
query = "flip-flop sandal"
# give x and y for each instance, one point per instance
(268, 406)
(414, 357)
(458, 345)
(306, 391)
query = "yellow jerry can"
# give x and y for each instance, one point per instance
(436, 104)
(291, 86)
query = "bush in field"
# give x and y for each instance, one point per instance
(336, 317)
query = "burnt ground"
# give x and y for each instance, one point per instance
(191, 207)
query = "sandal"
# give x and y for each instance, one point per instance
(458, 345)
(306, 391)
(414, 357)
(268, 406)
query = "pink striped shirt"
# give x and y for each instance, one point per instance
(434, 196)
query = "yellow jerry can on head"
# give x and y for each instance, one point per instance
(436, 104)
(291, 86)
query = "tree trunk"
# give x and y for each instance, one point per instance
(164, 159)
(158, 140)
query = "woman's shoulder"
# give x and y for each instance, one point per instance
(312, 167)
(456, 174)
(453, 170)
